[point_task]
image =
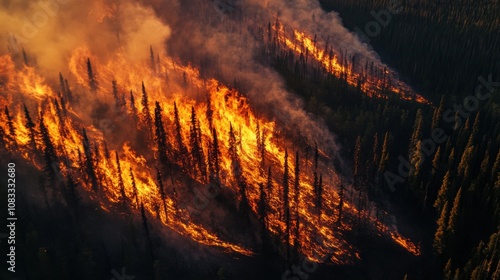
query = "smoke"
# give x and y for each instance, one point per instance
(310, 17)
(224, 44)
(50, 30)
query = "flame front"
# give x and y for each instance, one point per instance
(372, 80)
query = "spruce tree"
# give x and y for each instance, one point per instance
(10, 124)
(146, 115)
(215, 157)
(181, 149)
(152, 59)
(49, 152)
(195, 145)
(443, 193)
(160, 135)
(133, 108)
(455, 213)
(30, 126)
(440, 236)
(134, 187)
(91, 76)
(121, 185)
(89, 162)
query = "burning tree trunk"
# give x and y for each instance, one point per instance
(62, 85)
(215, 158)
(238, 172)
(89, 163)
(195, 143)
(91, 75)
(160, 135)
(49, 152)
(133, 109)
(152, 59)
(146, 115)
(181, 148)
(10, 124)
(60, 117)
(134, 187)
(119, 102)
(31, 128)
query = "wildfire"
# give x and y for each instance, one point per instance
(372, 81)
(406, 243)
(129, 169)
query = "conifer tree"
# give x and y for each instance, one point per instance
(133, 108)
(415, 137)
(121, 185)
(49, 152)
(195, 143)
(89, 162)
(118, 102)
(181, 149)
(30, 126)
(161, 191)
(441, 232)
(435, 162)
(91, 76)
(152, 59)
(10, 124)
(62, 85)
(146, 115)
(443, 193)
(463, 166)
(134, 187)
(215, 157)
(160, 135)
(455, 213)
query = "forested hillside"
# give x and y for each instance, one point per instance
(440, 46)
